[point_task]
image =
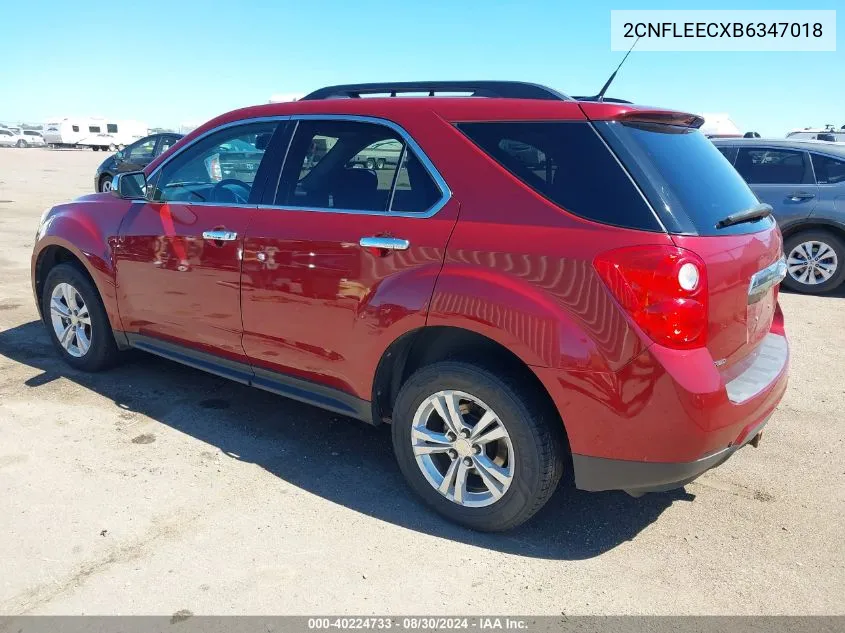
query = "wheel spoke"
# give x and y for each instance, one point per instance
(66, 336)
(83, 315)
(449, 477)
(461, 481)
(446, 405)
(485, 464)
(82, 341)
(483, 423)
(70, 296)
(489, 477)
(59, 308)
(427, 435)
(823, 251)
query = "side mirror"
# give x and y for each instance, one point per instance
(131, 185)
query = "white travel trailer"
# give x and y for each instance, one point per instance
(94, 132)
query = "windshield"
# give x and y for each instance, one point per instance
(688, 181)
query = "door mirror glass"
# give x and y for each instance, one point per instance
(131, 185)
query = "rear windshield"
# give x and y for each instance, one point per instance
(568, 163)
(690, 184)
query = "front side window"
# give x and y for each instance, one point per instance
(219, 168)
(142, 151)
(111, 128)
(75, 128)
(6, 133)
(829, 171)
(768, 166)
(94, 128)
(354, 166)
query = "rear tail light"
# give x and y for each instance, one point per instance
(663, 288)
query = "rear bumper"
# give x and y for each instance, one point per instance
(637, 478)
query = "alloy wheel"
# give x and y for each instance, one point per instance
(812, 262)
(71, 320)
(462, 448)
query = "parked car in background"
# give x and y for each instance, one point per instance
(379, 155)
(8, 138)
(132, 158)
(33, 138)
(804, 181)
(611, 311)
(828, 133)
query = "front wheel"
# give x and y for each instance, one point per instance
(77, 320)
(815, 262)
(22, 143)
(105, 183)
(477, 447)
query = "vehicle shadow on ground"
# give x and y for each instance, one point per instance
(344, 461)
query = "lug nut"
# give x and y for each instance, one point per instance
(451, 436)
(453, 453)
(465, 432)
(467, 461)
(476, 449)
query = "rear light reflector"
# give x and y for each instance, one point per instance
(663, 289)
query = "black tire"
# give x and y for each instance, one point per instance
(816, 235)
(380, 163)
(103, 350)
(103, 180)
(534, 430)
(96, 148)
(22, 143)
(370, 164)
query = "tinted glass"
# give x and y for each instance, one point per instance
(93, 128)
(111, 128)
(771, 166)
(75, 128)
(829, 171)
(353, 166)
(688, 181)
(166, 143)
(568, 163)
(143, 151)
(219, 168)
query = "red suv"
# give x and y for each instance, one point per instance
(519, 282)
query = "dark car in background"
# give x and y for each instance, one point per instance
(804, 182)
(133, 157)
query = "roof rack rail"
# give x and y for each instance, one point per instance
(503, 89)
(605, 99)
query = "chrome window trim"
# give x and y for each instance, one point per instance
(446, 193)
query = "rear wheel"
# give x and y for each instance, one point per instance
(105, 182)
(371, 164)
(22, 143)
(476, 447)
(815, 261)
(77, 320)
(96, 148)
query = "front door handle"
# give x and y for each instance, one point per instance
(797, 196)
(220, 236)
(385, 243)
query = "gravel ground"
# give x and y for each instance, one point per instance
(154, 488)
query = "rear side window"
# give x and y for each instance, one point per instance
(354, 166)
(568, 163)
(111, 128)
(767, 166)
(687, 180)
(75, 128)
(829, 171)
(93, 128)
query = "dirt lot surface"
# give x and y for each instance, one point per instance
(154, 488)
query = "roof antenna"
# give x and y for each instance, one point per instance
(600, 95)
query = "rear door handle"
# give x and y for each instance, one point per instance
(797, 196)
(385, 243)
(220, 236)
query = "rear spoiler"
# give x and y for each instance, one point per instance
(627, 114)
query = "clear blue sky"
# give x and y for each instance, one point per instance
(188, 60)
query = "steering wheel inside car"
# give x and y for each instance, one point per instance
(231, 190)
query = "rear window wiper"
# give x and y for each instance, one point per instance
(757, 212)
